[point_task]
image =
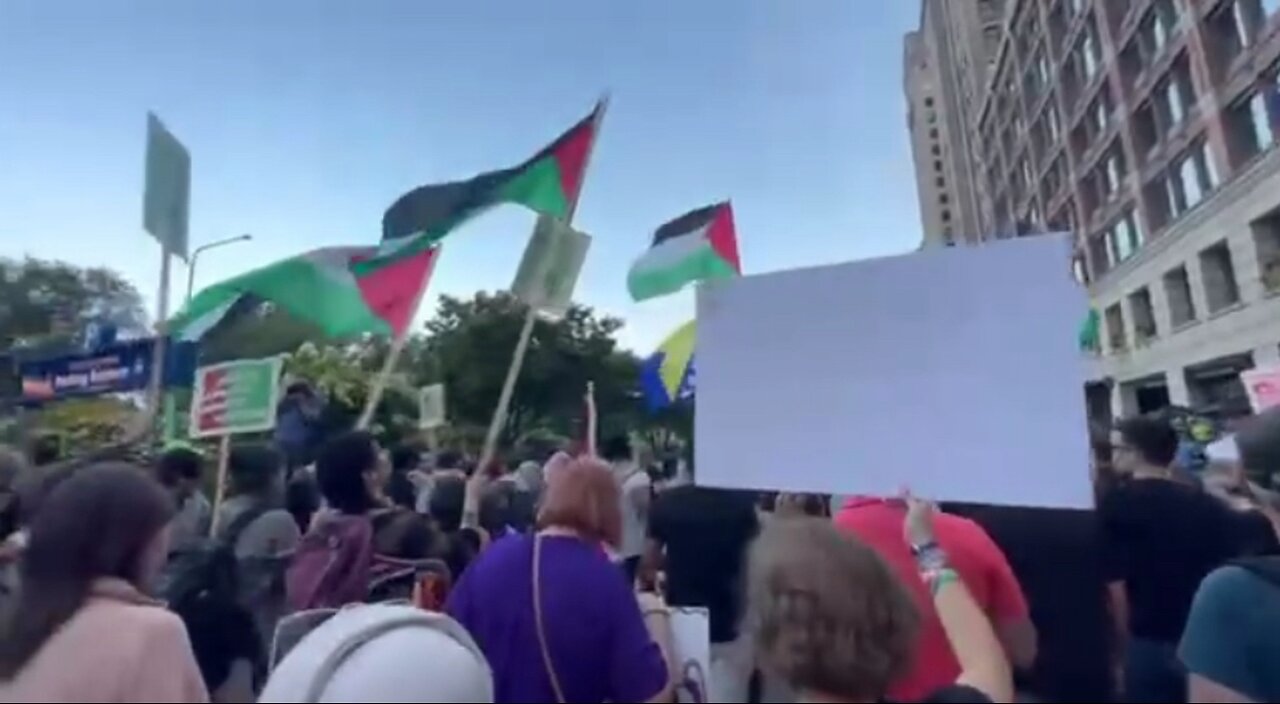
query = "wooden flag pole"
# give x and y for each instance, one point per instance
(531, 317)
(220, 491)
(393, 355)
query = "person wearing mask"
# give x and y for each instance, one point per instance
(700, 536)
(83, 630)
(831, 618)
(383, 653)
(980, 564)
(576, 632)
(1231, 644)
(1160, 538)
(180, 470)
(637, 492)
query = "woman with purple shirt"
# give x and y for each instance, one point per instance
(555, 618)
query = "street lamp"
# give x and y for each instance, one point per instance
(191, 265)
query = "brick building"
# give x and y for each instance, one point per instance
(1148, 128)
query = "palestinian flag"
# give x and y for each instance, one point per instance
(696, 246)
(547, 183)
(344, 291)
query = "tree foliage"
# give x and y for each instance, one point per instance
(47, 305)
(472, 343)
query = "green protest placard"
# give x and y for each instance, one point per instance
(236, 397)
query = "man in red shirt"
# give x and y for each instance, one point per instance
(978, 561)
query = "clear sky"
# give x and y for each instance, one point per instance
(306, 118)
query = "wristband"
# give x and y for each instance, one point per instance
(938, 579)
(930, 557)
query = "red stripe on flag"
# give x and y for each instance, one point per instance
(571, 157)
(723, 237)
(391, 291)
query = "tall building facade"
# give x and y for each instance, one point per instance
(1148, 128)
(946, 64)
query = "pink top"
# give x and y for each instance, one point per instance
(119, 647)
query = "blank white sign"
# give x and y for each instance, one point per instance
(953, 371)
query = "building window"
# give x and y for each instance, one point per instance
(1177, 289)
(1080, 271)
(1144, 315)
(1126, 237)
(1100, 114)
(928, 102)
(1089, 53)
(1055, 124)
(1175, 103)
(1220, 286)
(1191, 178)
(1146, 134)
(1263, 109)
(1266, 240)
(946, 216)
(933, 133)
(937, 150)
(1113, 172)
(944, 199)
(1115, 328)
(937, 166)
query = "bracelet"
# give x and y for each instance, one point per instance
(937, 579)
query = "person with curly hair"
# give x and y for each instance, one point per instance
(830, 618)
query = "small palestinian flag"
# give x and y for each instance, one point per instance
(547, 183)
(696, 246)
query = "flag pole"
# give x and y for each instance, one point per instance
(155, 388)
(531, 316)
(393, 355)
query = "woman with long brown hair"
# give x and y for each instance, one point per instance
(83, 628)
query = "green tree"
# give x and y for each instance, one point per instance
(45, 305)
(471, 342)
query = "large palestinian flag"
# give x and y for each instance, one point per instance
(696, 246)
(547, 183)
(344, 291)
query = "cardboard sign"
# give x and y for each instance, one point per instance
(953, 371)
(1263, 386)
(550, 267)
(431, 408)
(166, 197)
(236, 397)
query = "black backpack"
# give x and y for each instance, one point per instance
(209, 569)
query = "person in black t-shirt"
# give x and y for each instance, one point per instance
(1161, 537)
(705, 534)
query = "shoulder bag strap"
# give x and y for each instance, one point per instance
(542, 629)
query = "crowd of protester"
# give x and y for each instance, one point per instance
(336, 570)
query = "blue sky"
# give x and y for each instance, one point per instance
(306, 118)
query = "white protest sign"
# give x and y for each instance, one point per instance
(166, 198)
(691, 641)
(550, 267)
(1263, 386)
(431, 409)
(953, 371)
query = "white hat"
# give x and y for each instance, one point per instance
(383, 653)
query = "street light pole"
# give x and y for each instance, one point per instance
(191, 265)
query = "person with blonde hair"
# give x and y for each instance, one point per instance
(830, 618)
(556, 619)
